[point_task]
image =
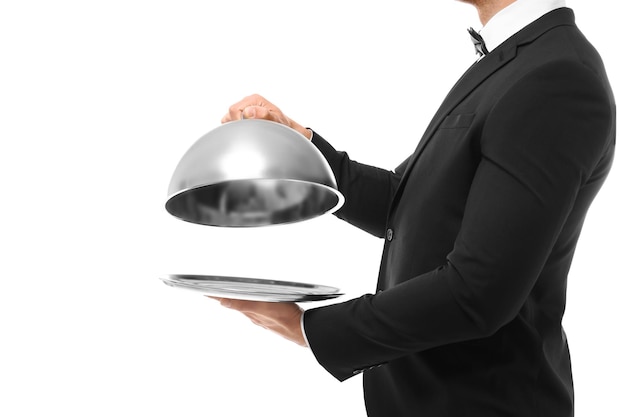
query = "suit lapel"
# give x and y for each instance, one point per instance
(480, 71)
(472, 78)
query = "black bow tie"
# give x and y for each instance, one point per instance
(479, 42)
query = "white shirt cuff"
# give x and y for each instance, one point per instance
(302, 328)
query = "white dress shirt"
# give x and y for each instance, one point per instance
(515, 17)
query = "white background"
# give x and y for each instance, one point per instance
(99, 100)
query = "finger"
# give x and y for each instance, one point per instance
(218, 299)
(225, 302)
(243, 306)
(260, 309)
(235, 111)
(257, 112)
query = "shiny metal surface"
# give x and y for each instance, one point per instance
(254, 289)
(252, 173)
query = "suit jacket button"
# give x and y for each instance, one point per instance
(389, 235)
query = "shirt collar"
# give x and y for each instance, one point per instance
(515, 17)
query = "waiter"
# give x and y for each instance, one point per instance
(480, 226)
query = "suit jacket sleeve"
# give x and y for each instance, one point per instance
(541, 144)
(363, 186)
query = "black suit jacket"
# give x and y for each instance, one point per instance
(480, 227)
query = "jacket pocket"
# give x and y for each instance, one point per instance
(456, 121)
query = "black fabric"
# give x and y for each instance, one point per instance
(480, 228)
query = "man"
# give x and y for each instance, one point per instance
(480, 226)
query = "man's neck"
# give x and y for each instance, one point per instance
(489, 8)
